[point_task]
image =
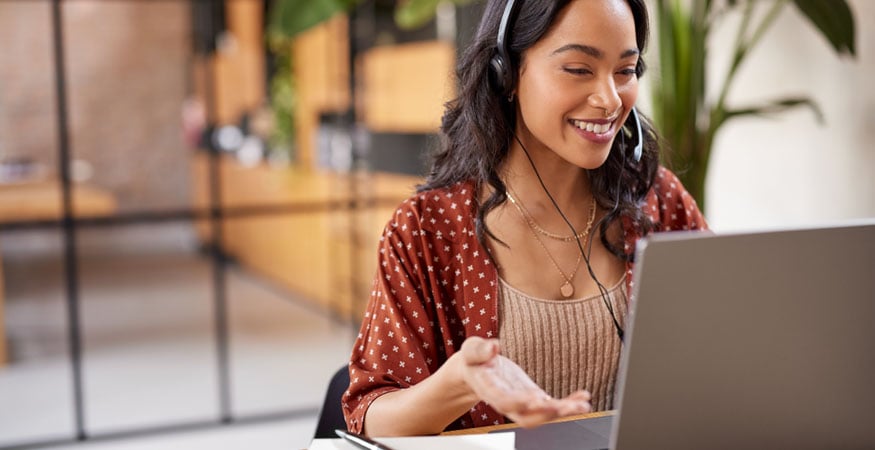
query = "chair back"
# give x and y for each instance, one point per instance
(331, 416)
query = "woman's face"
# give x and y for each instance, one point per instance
(577, 84)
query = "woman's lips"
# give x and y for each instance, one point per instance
(596, 130)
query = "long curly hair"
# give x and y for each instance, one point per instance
(478, 126)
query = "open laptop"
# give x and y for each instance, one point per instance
(759, 340)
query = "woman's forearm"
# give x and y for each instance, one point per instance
(424, 408)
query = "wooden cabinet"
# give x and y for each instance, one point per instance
(323, 245)
(405, 87)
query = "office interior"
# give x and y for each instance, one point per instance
(188, 222)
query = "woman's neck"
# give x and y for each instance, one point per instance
(567, 184)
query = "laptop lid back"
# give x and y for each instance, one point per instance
(751, 341)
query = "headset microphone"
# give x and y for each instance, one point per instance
(639, 147)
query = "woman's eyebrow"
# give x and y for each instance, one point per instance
(592, 51)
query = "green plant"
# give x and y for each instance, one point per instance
(291, 17)
(683, 114)
(282, 100)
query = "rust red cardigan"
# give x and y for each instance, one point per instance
(435, 286)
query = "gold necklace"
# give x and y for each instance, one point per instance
(567, 288)
(533, 224)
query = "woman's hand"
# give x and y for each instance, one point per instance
(502, 384)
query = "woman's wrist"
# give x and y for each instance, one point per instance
(400, 413)
(458, 380)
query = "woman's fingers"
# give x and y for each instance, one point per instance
(534, 408)
(510, 402)
(576, 403)
(509, 390)
(580, 395)
(537, 414)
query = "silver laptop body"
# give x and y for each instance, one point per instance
(751, 341)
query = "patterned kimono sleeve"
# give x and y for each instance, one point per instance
(397, 343)
(673, 207)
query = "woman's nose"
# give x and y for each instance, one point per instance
(605, 97)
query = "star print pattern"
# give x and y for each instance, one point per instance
(435, 286)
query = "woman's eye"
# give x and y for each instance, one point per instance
(577, 71)
(628, 72)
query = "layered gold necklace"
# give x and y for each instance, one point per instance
(567, 288)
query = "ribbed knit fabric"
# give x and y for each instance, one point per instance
(564, 345)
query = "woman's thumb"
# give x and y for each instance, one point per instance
(478, 350)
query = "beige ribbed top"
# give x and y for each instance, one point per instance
(564, 345)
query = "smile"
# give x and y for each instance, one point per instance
(593, 127)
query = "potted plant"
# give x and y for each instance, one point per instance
(682, 112)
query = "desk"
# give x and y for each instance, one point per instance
(41, 200)
(513, 426)
(581, 432)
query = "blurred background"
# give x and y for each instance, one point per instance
(191, 191)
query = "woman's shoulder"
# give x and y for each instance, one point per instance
(439, 207)
(671, 206)
(455, 197)
(667, 185)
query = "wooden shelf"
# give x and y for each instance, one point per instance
(41, 200)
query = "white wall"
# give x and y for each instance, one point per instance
(789, 170)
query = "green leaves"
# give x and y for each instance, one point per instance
(834, 20)
(681, 111)
(680, 95)
(410, 14)
(415, 13)
(291, 17)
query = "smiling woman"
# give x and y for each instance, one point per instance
(582, 74)
(484, 310)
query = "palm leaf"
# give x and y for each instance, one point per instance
(776, 106)
(834, 20)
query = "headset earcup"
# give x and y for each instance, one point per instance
(500, 75)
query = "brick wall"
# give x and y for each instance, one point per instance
(127, 75)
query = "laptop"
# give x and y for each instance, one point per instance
(759, 340)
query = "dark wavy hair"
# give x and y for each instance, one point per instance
(478, 125)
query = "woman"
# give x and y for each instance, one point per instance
(480, 311)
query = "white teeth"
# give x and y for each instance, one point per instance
(592, 127)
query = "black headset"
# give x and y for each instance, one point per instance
(504, 76)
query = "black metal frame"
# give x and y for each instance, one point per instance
(214, 213)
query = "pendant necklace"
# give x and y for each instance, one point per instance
(567, 288)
